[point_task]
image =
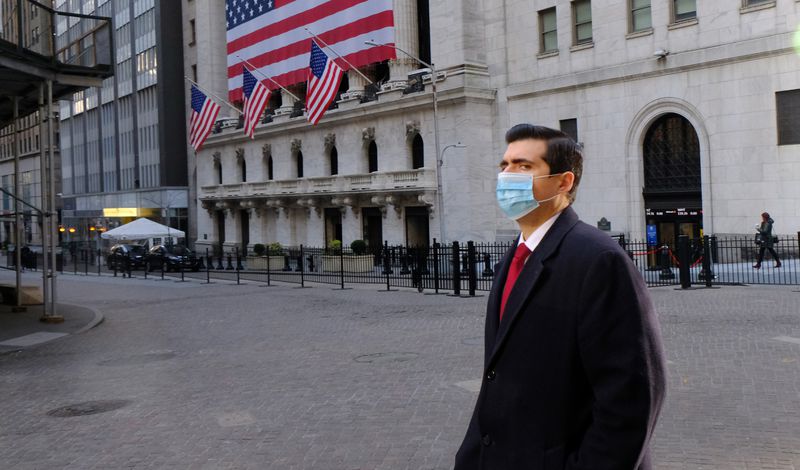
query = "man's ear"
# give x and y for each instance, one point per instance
(567, 181)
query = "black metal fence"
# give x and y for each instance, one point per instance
(456, 268)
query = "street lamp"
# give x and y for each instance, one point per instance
(439, 199)
(457, 145)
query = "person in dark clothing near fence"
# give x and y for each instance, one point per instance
(766, 241)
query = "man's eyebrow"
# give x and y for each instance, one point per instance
(517, 160)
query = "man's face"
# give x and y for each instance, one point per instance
(526, 157)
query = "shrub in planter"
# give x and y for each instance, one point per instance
(358, 262)
(274, 256)
(334, 247)
(359, 247)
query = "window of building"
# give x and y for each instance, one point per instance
(424, 30)
(750, 3)
(417, 153)
(569, 127)
(683, 10)
(640, 16)
(243, 169)
(582, 18)
(549, 33)
(372, 156)
(219, 173)
(270, 174)
(788, 115)
(194, 72)
(299, 161)
(334, 160)
(192, 32)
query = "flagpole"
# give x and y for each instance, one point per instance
(255, 69)
(339, 55)
(213, 94)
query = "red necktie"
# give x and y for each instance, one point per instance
(513, 273)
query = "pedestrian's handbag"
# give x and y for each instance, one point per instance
(758, 239)
(775, 239)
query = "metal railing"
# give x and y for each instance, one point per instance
(62, 37)
(453, 268)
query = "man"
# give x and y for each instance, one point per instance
(574, 368)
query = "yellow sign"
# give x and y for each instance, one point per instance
(120, 212)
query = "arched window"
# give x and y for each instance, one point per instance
(372, 154)
(671, 156)
(270, 175)
(334, 160)
(417, 153)
(299, 160)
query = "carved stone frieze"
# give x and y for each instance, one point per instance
(412, 128)
(368, 134)
(297, 145)
(330, 141)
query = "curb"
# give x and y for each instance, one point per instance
(98, 319)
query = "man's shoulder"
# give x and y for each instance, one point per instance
(583, 234)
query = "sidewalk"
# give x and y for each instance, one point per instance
(20, 330)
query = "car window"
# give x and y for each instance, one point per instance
(136, 249)
(180, 250)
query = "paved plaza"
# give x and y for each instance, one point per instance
(189, 375)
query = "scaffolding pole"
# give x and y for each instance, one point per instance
(51, 167)
(43, 215)
(17, 228)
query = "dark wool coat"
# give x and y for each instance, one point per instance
(574, 376)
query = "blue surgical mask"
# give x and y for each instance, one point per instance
(515, 194)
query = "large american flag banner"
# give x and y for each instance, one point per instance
(324, 77)
(270, 35)
(256, 96)
(204, 113)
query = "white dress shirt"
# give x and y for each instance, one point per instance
(538, 234)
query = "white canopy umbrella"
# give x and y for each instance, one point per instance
(140, 229)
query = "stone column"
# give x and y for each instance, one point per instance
(393, 223)
(287, 102)
(406, 37)
(232, 228)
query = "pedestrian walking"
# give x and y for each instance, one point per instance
(574, 369)
(765, 240)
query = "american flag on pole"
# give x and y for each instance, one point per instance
(256, 97)
(204, 113)
(324, 77)
(269, 34)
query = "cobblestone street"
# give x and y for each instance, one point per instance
(222, 376)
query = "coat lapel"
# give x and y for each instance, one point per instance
(528, 277)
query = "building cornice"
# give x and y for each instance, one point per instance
(707, 57)
(373, 109)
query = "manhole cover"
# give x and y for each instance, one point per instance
(88, 408)
(138, 359)
(382, 358)
(474, 341)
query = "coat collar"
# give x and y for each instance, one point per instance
(525, 283)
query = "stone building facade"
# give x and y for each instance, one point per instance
(685, 110)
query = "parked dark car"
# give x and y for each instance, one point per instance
(173, 258)
(124, 253)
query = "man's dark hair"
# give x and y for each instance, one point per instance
(563, 153)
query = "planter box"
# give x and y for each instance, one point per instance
(349, 263)
(259, 263)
